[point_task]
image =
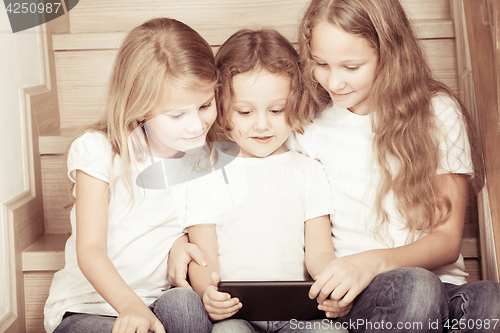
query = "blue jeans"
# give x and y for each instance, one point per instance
(473, 307)
(415, 300)
(243, 326)
(178, 309)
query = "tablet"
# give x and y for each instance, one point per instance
(273, 300)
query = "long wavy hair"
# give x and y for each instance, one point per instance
(404, 122)
(159, 52)
(248, 50)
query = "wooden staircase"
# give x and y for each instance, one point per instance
(80, 48)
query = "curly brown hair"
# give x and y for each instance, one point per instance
(248, 50)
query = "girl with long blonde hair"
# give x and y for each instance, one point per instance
(125, 218)
(398, 149)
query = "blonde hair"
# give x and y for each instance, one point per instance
(159, 52)
(248, 50)
(404, 122)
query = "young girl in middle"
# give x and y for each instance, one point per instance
(254, 218)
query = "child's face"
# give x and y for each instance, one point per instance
(257, 117)
(180, 120)
(344, 65)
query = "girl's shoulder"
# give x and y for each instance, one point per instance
(449, 115)
(90, 148)
(446, 106)
(90, 142)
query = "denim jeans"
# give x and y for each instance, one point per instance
(473, 307)
(404, 300)
(415, 300)
(243, 326)
(179, 310)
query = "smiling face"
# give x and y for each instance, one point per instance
(180, 120)
(257, 119)
(344, 65)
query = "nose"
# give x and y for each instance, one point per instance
(336, 82)
(262, 121)
(194, 123)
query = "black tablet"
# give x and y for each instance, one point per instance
(273, 300)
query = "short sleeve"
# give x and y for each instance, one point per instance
(90, 153)
(318, 200)
(455, 152)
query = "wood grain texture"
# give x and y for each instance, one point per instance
(101, 16)
(484, 71)
(55, 195)
(215, 36)
(36, 286)
(82, 77)
(473, 267)
(46, 254)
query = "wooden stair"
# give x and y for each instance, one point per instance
(82, 54)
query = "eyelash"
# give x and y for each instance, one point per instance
(320, 64)
(206, 106)
(177, 116)
(246, 113)
(352, 69)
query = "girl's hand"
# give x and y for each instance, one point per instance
(219, 305)
(137, 319)
(344, 279)
(179, 258)
(333, 309)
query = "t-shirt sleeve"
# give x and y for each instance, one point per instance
(318, 199)
(90, 153)
(455, 152)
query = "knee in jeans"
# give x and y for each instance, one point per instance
(232, 325)
(418, 292)
(178, 298)
(423, 281)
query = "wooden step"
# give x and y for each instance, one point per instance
(46, 254)
(56, 142)
(225, 16)
(214, 35)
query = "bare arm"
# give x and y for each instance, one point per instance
(441, 247)
(179, 257)
(318, 245)
(319, 256)
(93, 260)
(205, 279)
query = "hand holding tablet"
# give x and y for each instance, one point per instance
(273, 300)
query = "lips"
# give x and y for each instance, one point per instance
(195, 138)
(340, 95)
(262, 139)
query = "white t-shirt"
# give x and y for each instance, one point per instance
(259, 206)
(140, 234)
(342, 142)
